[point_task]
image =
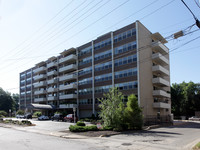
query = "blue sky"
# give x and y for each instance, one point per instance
(34, 30)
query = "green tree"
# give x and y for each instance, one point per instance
(6, 101)
(20, 112)
(133, 113)
(15, 98)
(185, 99)
(112, 108)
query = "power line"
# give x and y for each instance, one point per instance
(44, 25)
(157, 9)
(75, 20)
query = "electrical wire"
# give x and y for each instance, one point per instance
(39, 29)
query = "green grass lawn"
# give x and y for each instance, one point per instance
(197, 146)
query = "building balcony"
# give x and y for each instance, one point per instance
(69, 58)
(40, 84)
(68, 96)
(38, 77)
(161, 93)
(65, 106)
(68, 68)
(159, 47)
(68, 77)
(52, 73)
(52, 81)
(161, 105)
(39, 99)
(67, 87)
(160, 70)
(39, 92)
(52, 98)
(160, 59)
(50, 90)
(40, 69)
(160, 82)
(52, 64)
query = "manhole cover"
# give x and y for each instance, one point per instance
(126, 144)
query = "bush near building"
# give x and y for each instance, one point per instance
(116, 115)
(80, 127)
(3, 113)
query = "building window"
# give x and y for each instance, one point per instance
(103, 66)
(85, 71)
(125, 48)
(85, 51)
(126, 73)
(85, 81)
(103, 55)
(104, 77)
(125, 60)
(85, 61)
(124, 35)
(102, 44)
(127, 85)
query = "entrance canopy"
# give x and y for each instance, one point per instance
(40, 106)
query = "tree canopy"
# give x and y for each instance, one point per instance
(7, 101)
(185, 98)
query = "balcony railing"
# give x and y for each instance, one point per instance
(68, 96)
(38, 77)
(52, 98)
(51, 64)
(52, 81)
(160, 93)
(64, 106)
(71, 57)
(67, 87)
(160, 82)
(51, 73)
(68, 68)
(49, 90)
(39, 99)
(40, 84)
(159, 47)
(160, 59)
(39, 92)
(67, 77)
(40, 69)
(160, 70)
(161, 105)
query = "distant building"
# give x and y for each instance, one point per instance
(131, 58)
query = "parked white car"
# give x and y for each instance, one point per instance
(43, 117)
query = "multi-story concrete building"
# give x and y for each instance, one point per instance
(131, 58)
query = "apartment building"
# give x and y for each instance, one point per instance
(131, 58)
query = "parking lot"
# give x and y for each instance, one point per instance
(48, 125)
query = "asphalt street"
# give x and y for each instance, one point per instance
(179, 137)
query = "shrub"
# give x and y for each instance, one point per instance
(75, 128)
(37, 114)
(1, 116)
(107, 128)
(20, 112)
(91, 128)
(79, 123)
(3, 113)
(26, 122)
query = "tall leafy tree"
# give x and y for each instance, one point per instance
(112, 108)
(6, 101)
(133, 113)
(185, 98)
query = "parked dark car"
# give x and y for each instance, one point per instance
(70, 118)
(58, 117)
(28, 116)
